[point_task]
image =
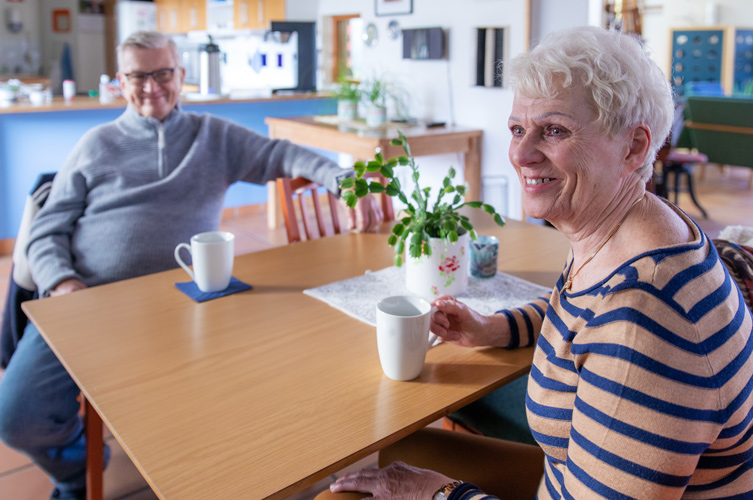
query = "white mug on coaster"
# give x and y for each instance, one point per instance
(212, 257)
(403, 335)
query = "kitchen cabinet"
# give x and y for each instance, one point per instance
(168, 15)
(176, 16)
(193, 15)
(257, 14)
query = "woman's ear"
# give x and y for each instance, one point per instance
(640, 141)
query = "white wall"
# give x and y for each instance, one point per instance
(85, 40)
(442, 90)
(301, 10)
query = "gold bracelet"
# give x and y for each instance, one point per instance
(444, 492)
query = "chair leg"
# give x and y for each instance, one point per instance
(94, 452)
(677, 187)
(688, 170)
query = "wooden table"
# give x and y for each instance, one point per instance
(262, 393)
(362, 144)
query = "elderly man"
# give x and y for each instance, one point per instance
(130, 191)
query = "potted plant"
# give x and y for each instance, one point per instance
(348, 94)
(376, 91)
(432, 232)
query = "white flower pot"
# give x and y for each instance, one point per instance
(444, 271)
(375, 115)
(346, 110)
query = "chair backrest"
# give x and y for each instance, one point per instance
(21, 286)
(721, 128)
(302, 189)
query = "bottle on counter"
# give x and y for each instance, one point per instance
(104, 90)
(69, 90)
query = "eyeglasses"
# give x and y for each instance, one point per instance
(162, 75)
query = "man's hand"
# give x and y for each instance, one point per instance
(366, 216)
(67, 286)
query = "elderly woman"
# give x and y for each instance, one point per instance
(642, 374)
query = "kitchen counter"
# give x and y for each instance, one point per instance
(38, 139)
(88, 103)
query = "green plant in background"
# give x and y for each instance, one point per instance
(424, 217)
(347, 90)
(378, 90)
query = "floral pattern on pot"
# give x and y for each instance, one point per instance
(444, 271)
(448, 267)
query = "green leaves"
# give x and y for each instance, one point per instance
(350, 198)
(499, 220)
(373, 166)
(361, 188)
(420, 221)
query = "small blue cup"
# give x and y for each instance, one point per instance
(484, 256)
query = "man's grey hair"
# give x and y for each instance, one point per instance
(622, 83)
(148, 40)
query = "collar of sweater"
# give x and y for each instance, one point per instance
(137, 126)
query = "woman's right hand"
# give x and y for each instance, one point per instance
(457, 323)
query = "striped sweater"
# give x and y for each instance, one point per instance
(641, 386)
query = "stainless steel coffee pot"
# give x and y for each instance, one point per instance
(210, 82)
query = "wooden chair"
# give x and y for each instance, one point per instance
(676, 165)
(305, 192)
(302, 189)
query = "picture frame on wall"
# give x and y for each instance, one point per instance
(393, 7)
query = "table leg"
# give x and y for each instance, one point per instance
(94, 452)
(472, 170)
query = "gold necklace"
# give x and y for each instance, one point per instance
(571, 275)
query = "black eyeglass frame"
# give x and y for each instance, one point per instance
(133, 78)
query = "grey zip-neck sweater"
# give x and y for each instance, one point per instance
(134, 188)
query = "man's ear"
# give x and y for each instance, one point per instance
(637, 151)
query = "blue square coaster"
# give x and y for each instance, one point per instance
(190, 289)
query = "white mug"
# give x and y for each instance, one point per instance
(212, 257)
(403, 335)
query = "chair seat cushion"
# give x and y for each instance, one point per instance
(677, 157)
(501, 414)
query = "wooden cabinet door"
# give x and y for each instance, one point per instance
(193, 15)
(245, 14)
(168, 16)
(257, 14)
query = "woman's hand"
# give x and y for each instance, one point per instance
(458, 324)
(398, 481)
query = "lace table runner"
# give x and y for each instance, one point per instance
(358, 296)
